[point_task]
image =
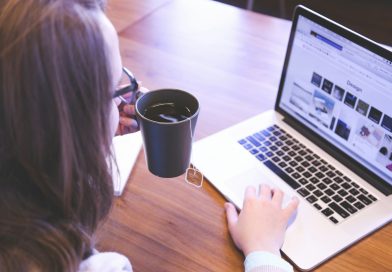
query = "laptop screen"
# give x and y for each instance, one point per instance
(343, 92)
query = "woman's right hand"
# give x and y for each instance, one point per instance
(262, 223)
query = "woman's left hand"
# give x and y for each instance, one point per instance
(127, 121)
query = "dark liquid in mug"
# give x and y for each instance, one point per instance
(167, 113)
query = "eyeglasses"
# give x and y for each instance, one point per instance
(128, 89)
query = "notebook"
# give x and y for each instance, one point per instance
(328, 141)
(126, 149)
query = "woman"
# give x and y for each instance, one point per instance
(59, 67)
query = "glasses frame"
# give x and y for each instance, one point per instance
(132, 87)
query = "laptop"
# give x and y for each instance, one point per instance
(328, 141)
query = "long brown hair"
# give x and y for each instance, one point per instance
(55, 97)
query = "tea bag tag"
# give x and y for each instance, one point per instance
(194, 177)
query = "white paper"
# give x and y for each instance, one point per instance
(125, 150)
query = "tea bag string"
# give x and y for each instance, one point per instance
(192, 171)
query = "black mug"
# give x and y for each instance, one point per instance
(167, 120)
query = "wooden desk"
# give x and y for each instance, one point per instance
(231, 60)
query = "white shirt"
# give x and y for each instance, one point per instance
(257, 261)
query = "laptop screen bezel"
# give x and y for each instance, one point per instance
(379, 183)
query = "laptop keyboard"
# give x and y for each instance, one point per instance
(332, 193)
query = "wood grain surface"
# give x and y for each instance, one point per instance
(231, 60)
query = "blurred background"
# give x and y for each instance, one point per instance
(372, 18)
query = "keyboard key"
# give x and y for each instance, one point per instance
(283, 138)
(286, 158)
(271, 128)
(359, 205)
(303, 192)
(295, 147)
(318, 193)
(267, 143)
(307, 174)
(365, 200)
(293, 163)
(339, 173)
(346, 178)
(275, 159)
(354, 191)
(242, 141)
(348, 207)
(334, 187)
(269, 154)
(346, 185)
(339, 210)
(282, 164)
(305, 164)
(265, 133)
(289, 170)
(337, 198)
(331, 174)
(338, 180)
(363, 191)
(323, 161)
(355, 185)
(312, 169)
(316, 163)
(326, 199)
(273, 139)
(291, 182)
(342, 192)
(329, 192)
(296, 175)
(303, 181)
(310, 187)
(300, 169)
(314, 180)
(280, 153)
(298, 158)
(273, 148)
(319, 175)
(321, 186)
(255, 142)
(327, 212)
(259, 137)
(289, 142)
(276, 133)
(311, 199)
(263, 149)
(248, 146)
(323, 168)
(302, 152)
(261, 157)
(331, 167)
(372, 197)
(285, 148)
(351, 199)
(317, 206)
(253, 151)
(327, 181)
(334, 220)
(292, 154)
(309, 157)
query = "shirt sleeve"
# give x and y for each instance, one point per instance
(106, 262)
(262, 261)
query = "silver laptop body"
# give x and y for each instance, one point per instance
(328, 141)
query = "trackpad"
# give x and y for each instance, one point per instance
(235, 187)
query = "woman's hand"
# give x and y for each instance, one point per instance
(127, 121)
(262, 223)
